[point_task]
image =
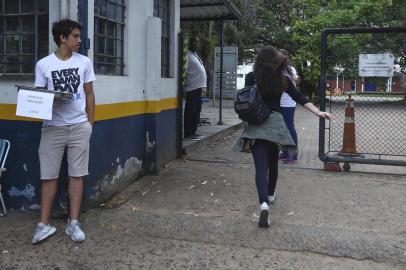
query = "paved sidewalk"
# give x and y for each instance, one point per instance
(201, 213)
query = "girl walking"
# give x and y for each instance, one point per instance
(265, 140)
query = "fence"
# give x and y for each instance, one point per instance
(369, 127)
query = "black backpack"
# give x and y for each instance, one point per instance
(250, 107)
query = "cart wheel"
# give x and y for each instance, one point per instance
(347, 167)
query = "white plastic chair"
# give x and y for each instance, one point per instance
(4, 148)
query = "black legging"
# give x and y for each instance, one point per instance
(265, 155)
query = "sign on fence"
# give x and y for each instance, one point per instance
(376, 65)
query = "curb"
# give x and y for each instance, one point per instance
(212, 138)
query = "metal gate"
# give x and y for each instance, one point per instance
(363, 84)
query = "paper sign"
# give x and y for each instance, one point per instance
(35, 104)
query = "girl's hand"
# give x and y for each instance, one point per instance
(324, 115)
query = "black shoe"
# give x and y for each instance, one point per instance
(198, 135)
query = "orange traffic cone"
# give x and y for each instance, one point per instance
(349, 148)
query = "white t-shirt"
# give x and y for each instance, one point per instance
(286, 100)
(195, 73)
(69, 75)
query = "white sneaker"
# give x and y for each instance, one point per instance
(74, 231)
(264, 220)
(42, 232)
(272, 198)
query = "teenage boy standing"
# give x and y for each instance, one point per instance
(70, 127)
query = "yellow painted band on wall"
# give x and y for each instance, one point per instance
(8, 112)
(105, 111)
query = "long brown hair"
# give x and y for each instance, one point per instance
(268, 72)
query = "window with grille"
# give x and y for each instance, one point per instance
(161, 10)
(109, 36)
(23, 35)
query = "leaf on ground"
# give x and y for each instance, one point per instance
(191, 214)
(115, 202)
(135, 208)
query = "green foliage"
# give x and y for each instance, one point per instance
(209, 35)
(296, 26)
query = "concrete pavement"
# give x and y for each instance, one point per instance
(201, 212)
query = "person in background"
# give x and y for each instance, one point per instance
(249, 82)
(288, 107)
(269, 73)
(249, 79)
(196, 82)
(70, 127)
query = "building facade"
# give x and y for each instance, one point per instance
(134, 48)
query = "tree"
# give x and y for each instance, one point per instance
(296, 26)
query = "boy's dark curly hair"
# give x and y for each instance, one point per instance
(64, 27)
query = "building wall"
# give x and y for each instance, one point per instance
(369, 84)
(135, 129)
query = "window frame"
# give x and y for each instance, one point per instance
(36, 31)
(117, 61)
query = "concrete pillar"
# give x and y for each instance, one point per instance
(153, 66)
(69, 9)
(152, 92)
